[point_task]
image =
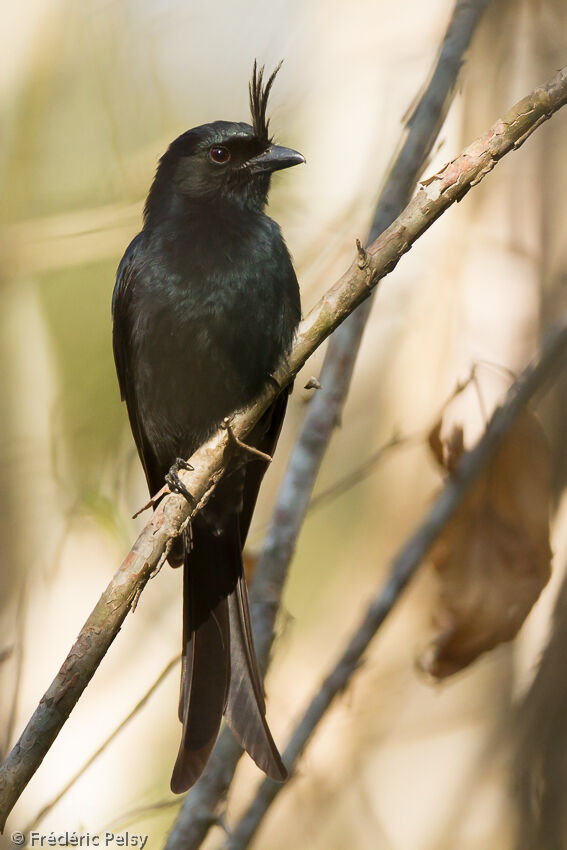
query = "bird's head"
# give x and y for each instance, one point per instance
(223, 159)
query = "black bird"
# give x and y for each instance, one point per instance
(206, 303)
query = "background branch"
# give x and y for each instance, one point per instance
(539, 747)
(404, 566)
(432, 199)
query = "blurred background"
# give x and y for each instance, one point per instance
(91, 94)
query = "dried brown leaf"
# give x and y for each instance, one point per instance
(493, 558)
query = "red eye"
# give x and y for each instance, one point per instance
(219, 154)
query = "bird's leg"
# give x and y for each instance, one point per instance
(276, 384)
(174, 482)
(274, 381)
(244, 447)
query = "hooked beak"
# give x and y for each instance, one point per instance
(274, 159)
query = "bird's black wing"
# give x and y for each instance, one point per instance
(264, 436)
(121, 344)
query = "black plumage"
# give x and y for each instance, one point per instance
(205, 305)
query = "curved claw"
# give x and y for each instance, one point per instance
(174, 482)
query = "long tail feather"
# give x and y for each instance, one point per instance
(205, 672)
(220, 673)
(245, 711)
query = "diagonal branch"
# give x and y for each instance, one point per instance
(102, 626)
(404, 565)
(47, 808)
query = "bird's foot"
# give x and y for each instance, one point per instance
(242, 446)
(174, 482)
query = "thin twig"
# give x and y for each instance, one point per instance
(137, 708)
(404, 566)
(359, 473)
(324, 413)
(138, 813)
(102, 626)
(19, 660)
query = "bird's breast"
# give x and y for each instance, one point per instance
(212, 325)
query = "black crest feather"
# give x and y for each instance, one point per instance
(259, 94)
